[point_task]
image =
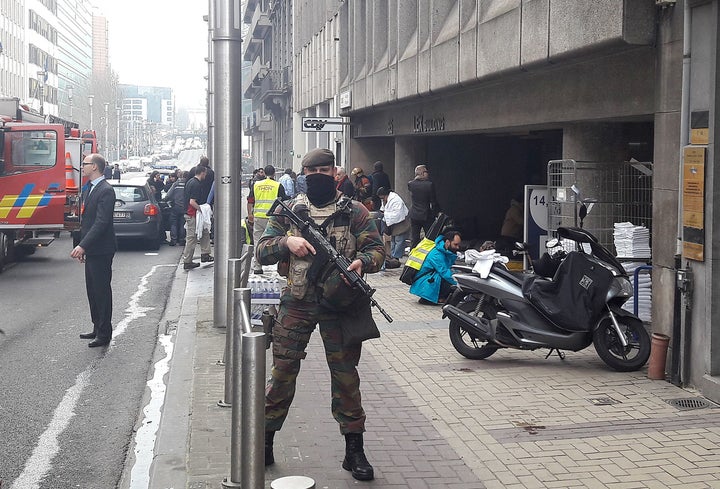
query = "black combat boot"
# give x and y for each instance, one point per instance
(355, 459)
(269, 457)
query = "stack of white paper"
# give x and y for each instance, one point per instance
(643, 294)
(631, 241)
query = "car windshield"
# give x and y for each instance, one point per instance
(130, 194)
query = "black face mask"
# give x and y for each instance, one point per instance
(320, 188)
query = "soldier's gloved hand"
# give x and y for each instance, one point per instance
(299, 246)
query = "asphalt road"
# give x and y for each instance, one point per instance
(68, 412)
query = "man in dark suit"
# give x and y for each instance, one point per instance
(97, 248)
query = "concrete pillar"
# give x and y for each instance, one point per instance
(409, 152)
(594, 142)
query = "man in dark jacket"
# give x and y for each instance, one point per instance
(97, 248)
(379, 179)
(344, 184)
(208, 181)
(424, 204)
(176, 195)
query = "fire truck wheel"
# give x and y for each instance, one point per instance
(5, 250)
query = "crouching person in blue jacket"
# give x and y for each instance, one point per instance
(434, 281)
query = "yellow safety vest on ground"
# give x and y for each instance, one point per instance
(265, 192)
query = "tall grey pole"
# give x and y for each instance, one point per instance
(117, 135)
(227, 145)
(211, 87)
(106, 149)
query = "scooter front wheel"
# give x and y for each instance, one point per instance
(464, 342)
(609, 348)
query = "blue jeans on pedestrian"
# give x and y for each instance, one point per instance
(177, 226)
(397, 245)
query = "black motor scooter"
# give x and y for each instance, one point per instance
(580, 305)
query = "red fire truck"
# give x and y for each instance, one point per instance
(40, 178)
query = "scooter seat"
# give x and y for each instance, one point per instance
(514, 277)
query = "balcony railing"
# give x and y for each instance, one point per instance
(276, 82)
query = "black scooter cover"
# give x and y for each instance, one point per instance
(575, 297)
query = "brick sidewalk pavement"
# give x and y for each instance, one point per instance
(436, 419)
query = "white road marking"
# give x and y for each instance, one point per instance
(146, 435)
(47, 447)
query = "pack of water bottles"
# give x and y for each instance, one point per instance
(263, 292)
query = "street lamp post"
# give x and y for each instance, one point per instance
(90, 102)
(107, 123)
(41, 83)
(117, 137)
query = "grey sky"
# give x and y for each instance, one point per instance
(160, 43)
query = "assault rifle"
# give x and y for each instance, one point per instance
(325, 251)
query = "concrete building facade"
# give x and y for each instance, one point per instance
(268, 47)
(486, 93)
(12, 55)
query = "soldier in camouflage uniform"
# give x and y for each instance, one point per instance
(304, 304)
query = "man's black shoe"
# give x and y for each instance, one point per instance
(87, 336)
(173, 243)
(96, 343)
(269, 457)
(191, 265)
(206, 257)
(355, 459)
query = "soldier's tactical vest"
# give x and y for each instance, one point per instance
(328, 288)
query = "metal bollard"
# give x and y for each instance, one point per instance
(247, 464)
(244, 265)
(253, 411)
(241, 311)
(234, 278)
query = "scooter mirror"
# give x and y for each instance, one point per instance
(583, 211)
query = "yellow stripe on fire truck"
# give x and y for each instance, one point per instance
(26, 202)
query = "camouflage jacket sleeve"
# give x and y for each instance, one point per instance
(370, 248)
(272, 246)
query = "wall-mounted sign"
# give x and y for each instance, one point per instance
(322, 124)
(536, 220)
(699, 127)
(428, 124)
(346, 99)
(693, 215)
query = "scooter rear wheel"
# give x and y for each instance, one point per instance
(464, 342)
(610, 349)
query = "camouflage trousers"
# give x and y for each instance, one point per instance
(295, 323)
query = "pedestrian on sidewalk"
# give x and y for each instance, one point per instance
(193, 195)
(303, 305)
(97, 248)
(424, 205)
(261, 197)
(397, 224)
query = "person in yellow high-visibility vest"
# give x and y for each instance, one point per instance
(262, 195)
